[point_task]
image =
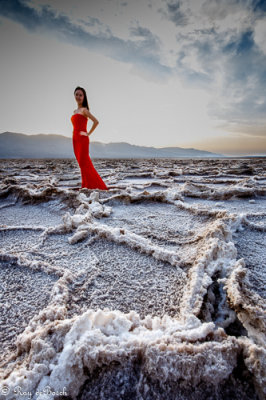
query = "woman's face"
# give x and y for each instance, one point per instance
(79, 96)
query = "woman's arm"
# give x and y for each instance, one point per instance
(88, 114)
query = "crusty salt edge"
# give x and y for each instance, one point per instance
(83, 222)
(22, 228)
(56, 308)
(255, 360)
(253, 225)
(123, 235)
(33, 193)
(201, 210)
(238, 190)
(173, 350)
(218, 253)
(87, 210)
(250, 307)
(165, 196)
(36, 347)
(8, 205)
(214, 247)
(201, 278)
(142, 185)
(60, 350)
(35, 265)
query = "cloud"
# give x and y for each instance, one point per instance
(259, 6)
(220, 47)
(241, 98)
(260, 34)
(174, 13)
(141, 53)
(146, 39)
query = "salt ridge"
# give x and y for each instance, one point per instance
(56, 351)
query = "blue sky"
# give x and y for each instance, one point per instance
(157, 73)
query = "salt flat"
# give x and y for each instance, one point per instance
(153, 289)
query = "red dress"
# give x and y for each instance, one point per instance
(89, 176)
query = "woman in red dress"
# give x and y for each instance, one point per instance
(89, 176)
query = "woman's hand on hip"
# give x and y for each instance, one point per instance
(84, 133)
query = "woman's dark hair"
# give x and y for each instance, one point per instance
(85, 100)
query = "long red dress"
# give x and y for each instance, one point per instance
(89, 176)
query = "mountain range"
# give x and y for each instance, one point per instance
(18, 145)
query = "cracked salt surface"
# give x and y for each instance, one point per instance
(153, 289)
(125, 280)
(251, 245)
(165, 224)
(31, 215)
(23, 294)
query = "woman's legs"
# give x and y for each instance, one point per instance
(89, 176)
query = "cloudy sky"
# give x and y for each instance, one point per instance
(187, 73)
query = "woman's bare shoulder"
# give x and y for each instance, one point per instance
(86, 111)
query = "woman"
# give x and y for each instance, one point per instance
(89, 176)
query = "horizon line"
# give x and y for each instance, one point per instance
(139, 145)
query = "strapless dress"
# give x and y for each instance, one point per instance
(89, 176)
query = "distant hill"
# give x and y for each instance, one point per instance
(18, 145)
